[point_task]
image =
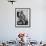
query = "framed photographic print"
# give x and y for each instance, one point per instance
(22, 17)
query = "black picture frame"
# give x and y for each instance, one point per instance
(22, 23)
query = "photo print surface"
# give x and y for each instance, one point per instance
(22, 17)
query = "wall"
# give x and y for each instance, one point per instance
(8, 31)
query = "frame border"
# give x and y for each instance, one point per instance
(29, 18)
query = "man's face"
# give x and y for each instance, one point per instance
(21, 12)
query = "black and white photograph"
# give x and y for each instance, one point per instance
(22, 17)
